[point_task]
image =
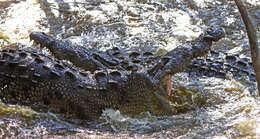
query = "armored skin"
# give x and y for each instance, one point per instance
(109, 80)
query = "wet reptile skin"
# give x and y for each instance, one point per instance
(108, 80)
(220, 64)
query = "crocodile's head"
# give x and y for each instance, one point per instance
(214, 34)
(41, 38)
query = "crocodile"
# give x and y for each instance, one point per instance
(85, 90)
(221, 65)
(217, 64)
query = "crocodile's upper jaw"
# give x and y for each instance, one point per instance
(41, 38)
(215, 34)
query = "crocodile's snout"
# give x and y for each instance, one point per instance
(41, 38)
(215, 34)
